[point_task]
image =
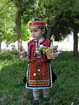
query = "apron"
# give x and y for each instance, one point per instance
(39, 75)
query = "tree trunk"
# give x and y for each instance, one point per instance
(53, 25)
(75, 45)
(18, 25)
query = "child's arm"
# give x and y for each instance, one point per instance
(24, 54)
(53, 55)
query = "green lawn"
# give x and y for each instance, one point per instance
(65, 90)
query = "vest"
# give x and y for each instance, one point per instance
(31, 47)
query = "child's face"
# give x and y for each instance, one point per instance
(37, 33)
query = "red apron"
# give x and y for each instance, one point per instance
(39, 74)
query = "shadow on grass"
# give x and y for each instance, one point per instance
(11, 83)
(8, 57)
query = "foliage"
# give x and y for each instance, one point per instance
(47, 10)
(28, 10)
(25, 33)
(7, 21)
(64, 91)
(8, 29)
(69, 12)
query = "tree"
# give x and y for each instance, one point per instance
(7, 13)
(8, 28)
(24, 11)
(62, 17)
(18, 25)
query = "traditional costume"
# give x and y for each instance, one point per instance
(39, 72)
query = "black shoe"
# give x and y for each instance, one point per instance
(36, 102)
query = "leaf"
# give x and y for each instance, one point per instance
(40, 49)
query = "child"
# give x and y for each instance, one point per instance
(39, 73)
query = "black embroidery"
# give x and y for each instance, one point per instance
(30, 48)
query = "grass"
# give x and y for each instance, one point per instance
(65, 90)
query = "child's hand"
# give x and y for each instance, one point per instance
(53, 56)
(23, 53)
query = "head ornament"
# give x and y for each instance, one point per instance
(37, 22)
